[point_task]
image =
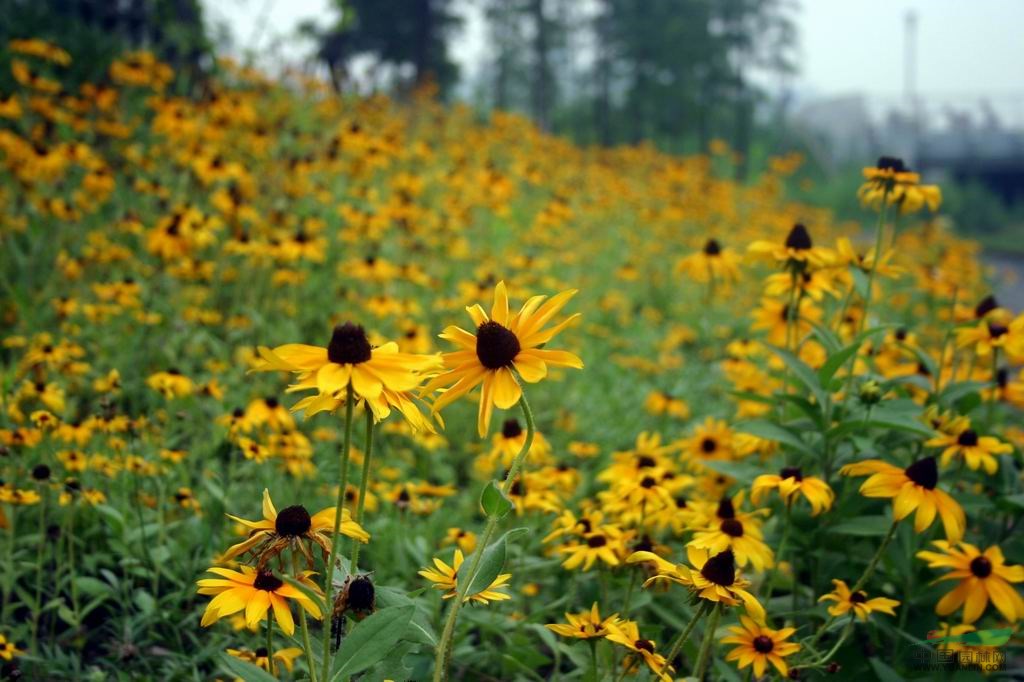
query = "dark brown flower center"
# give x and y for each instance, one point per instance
(981, 566)
(763, 645)
(996, 330)
(725, 509)
(645, 462)
(267, 582)
(496, 346)
(511, 428)
(924, 472)
(985, 306)
(791, 472)
(968, 438)
(891, 163)
(645, 644)
(712, 248)
(597, 541)
(261, 652)
(798, 238)
(349, 345)
(293, 521)
(720, 569)
(858, 597)
(648, 482)
(732, 528)
(708, 445)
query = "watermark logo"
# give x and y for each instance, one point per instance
(978, 650)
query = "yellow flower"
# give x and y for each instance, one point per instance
(503, 342)
(381, 376)
(170, 384)
(791, 482)
(759, 645)
(445, 578)
(256, 592)
(8, 650)
(627, 634)
(797, 251)
(714, 578)
(738, 533)
(260, 659)
(984, 576)
(976, 451)
(605, 543)
(585, 625)
(287, 528)
(911, 488)
(858, 602)
(465, 539)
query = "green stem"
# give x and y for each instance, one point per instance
(787, 518)
(879, 232)
(307, 644)
(704, 655)
(37, 611)
(677, 645)
(346, 445)
(363, 481)
(270, 640)
(868, 572)
(990, 413)
(443, 651)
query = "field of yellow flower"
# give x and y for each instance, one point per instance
(299, 386)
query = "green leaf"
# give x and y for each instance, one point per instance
(247, 671)
(371, 640)
(865, 526)
(741, 471)
(772, 431)
(802, 371)
(494, 502)
(883, 672)
(841, 357)
(492, 562)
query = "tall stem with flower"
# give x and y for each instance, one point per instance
(443, 652)
(346, 445)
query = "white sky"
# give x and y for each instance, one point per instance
(968, 47)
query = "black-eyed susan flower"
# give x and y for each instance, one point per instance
(740, 533)
(796, 252)
(627, 634)
(256, 592)
(585, 625)
(714, 578)
(963, 442)
(759, 645)
(382, 376)
(446, 578)
(846, 600)
(605, 543)
(261, 657)
(713, 262)
(292, 527)
(7, 649)
(984, 577)
(464, 539)
(892, 182)
(913, 488)
(791, 482)
(171, 384)
(503, 342)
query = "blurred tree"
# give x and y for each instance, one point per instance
(95, 31)
(396, 33)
